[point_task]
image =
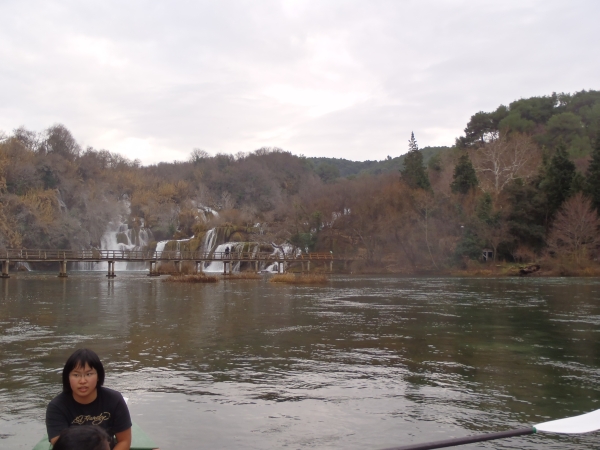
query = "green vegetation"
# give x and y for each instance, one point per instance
(523, 183)
(413, 170)
(349, 169)
(573, 119)
(593, 175)
(465, 177)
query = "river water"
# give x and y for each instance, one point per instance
(361, 363)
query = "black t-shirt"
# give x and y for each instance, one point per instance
(108, 411)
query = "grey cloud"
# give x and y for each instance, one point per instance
(337, 78)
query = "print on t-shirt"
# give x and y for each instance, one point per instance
(94, 420)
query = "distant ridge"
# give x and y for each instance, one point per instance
(349, 168)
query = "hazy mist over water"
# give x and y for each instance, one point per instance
(361, 363)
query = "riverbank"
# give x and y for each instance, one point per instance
(541, 268)
(544, 267)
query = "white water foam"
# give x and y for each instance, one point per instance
(217, 266)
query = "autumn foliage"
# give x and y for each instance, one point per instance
(516, 189)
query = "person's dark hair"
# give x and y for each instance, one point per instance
(80, 358)
(82, 437)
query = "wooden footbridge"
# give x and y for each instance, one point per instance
(153, 258)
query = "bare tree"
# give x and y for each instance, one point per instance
(575, 230)
(227, 200)
(505, 159)
(204, 196)
(198, 155)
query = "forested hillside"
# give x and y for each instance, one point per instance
(329, 169)
(523, 182)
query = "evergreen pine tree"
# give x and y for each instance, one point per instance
(412, 143)
(593, 176)
(527, 213)
(413, 171)
(559, 179)
(465, 177)
(578, 184)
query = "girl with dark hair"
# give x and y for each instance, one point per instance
(84, 401)
(86, 437)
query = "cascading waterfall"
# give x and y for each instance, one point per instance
(217, 266)
(119, 236)
(160, 246)
(205, 213)
(209, 241)
(279, 251)
(23, 266)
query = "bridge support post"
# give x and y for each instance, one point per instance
(224, 267)
(177, 266)
(5, 269)
(331, 266)
(302, 267)
(62, 272)
(308, 263)
(230, 267)
(153, 271)
(199, 266)
(111, 269)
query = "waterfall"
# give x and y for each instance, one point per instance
(217, 266)
(119, 236)
(62, 207)
(234, 247)
(23, 266)
(160, 246)
(279, 251)
(210, 239)
(205, 213)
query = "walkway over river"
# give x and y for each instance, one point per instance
(153, 257)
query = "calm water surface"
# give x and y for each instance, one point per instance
(361, 363)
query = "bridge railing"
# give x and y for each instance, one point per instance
(314, 255)
(146, 255)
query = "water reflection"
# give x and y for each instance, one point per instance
(361, 363)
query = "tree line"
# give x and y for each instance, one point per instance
(523, 182)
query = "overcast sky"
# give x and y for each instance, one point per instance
(349, 79)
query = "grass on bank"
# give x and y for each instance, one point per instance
(290, 278)
(196, 278)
